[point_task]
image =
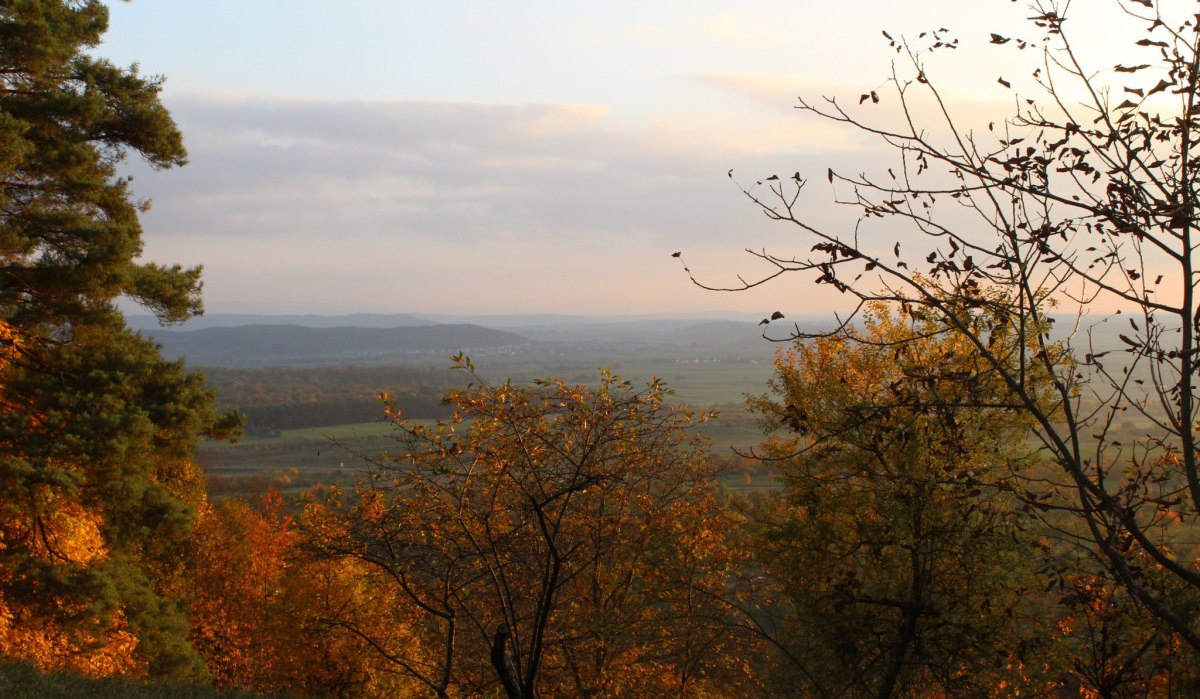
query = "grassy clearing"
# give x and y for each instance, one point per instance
(747, 483)
(699, 381)
(324, 433)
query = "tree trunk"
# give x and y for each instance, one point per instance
(504, 669)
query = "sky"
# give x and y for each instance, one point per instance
(485, 157)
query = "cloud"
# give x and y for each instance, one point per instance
(420, 204)
(271, 167)
(732, 28)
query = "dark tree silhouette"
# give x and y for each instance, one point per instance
(1085, 197)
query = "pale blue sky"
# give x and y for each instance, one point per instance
(492, 157)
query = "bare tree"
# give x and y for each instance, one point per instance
(1085, 197)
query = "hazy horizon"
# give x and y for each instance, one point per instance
(142, 320)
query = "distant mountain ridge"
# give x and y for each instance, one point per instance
(307, 320)
(510, 321)
(238, 341)
(268, 345)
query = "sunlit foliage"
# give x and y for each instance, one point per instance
(557, 539)
(896, 542)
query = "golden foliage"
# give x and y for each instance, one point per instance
(573, 532)
(31, 637)
(262, 611)
(10, 343)
(65, 532)
(895, 545)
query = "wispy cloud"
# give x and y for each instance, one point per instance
(735, 28)
(305, 204)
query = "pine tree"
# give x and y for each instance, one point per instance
(96, 429)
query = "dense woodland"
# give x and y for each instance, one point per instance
(969, 501)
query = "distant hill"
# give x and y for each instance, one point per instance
(308, 320)
(294, 345)
(364, 339)
(513, 321)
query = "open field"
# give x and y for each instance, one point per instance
(295, 459)
(698, 377)
(335, 450)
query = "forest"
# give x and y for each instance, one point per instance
(984, 480)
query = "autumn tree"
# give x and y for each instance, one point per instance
(552, 540)
(260, 609)
(96, 429)
(1085, 196)
(895, 540)
(1097, 640)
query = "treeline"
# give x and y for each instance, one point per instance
(284, 398)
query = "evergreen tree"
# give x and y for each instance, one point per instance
(96, 428)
